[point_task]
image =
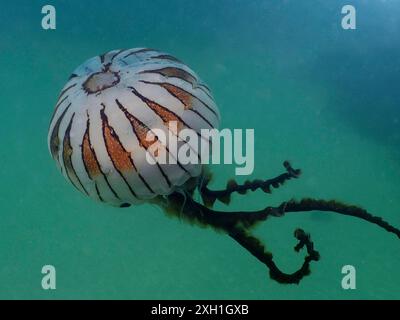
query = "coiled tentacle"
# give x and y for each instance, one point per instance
(238, 224)
(209, 196)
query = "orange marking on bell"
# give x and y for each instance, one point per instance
(175, 72)
(182, 95)
(89, 158)
(166, 116)
(120, 157)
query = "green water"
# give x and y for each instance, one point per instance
(323, 97)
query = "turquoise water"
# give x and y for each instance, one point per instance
(323, 97)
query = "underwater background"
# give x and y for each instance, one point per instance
(325, 98)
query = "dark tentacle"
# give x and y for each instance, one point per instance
(237, 224)
(309, 204)
(247, 219)
(209, 196)
(194, 212)
(257, 249)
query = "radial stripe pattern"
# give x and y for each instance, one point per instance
(104, 113)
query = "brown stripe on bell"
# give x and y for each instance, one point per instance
(167, 57)
(67, 158)
(54, 139)
(59, 103)
(141, 131)
(179, 93)
(119, 156)
(89, 157)
(175, 72)
(91, 163)
(65, 90)
(185, 97)
(165, 114)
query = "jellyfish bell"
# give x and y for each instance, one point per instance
(99, 131)
(97, 137)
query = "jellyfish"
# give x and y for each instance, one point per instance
(99, 138)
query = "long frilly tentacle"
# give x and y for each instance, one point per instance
(209, 196)
(238, 224)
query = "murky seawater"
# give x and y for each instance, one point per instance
(323, 97)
